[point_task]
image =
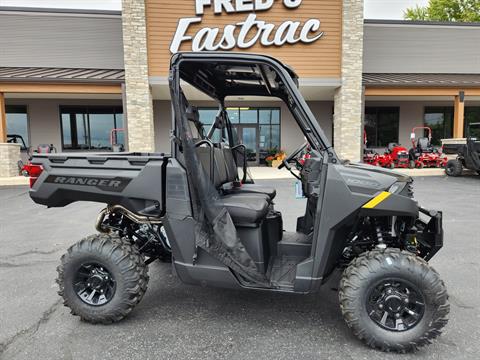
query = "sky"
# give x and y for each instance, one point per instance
(374, 9)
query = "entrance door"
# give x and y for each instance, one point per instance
(249, 137)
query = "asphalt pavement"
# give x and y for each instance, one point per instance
(177, 321)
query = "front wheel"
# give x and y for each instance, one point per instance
(102, 278)
(454, 168)
(393, 300)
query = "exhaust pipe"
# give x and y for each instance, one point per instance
(139, 219)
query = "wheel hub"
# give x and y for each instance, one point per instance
(94, 284)
(395, 305)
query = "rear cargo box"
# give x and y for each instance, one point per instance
(133, 180)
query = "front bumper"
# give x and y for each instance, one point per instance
(429, 233)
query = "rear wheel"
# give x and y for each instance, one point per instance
(454, 168)
(393, 300)
(102, 278)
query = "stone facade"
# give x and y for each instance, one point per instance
(139, 105)
(9, 156)
(348, 109)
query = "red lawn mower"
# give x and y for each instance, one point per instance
(369, 155)
(396, 156)
(423, 154)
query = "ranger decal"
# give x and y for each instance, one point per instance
(116, 184)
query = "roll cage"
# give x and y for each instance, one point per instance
(222, 75)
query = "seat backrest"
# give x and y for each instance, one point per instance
(221, 175)
(391, 146)
(205, 156)
(423, 144)
(217, 170)
(231, 166)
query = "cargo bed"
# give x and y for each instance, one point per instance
(133, 180)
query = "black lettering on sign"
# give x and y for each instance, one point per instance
(116, 184)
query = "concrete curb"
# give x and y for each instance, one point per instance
(14, 181)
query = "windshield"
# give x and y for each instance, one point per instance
(474, 131)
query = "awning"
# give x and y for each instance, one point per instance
(421, 80)
(44, 74)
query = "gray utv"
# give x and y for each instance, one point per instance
(197, 208)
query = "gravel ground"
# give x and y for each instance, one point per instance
(176, 321)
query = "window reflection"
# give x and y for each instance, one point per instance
(440, 120)
(17, 122)
(472, 115)
(259, 127)
(90, 127)
(381, 125)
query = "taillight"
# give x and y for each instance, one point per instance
(33, 171)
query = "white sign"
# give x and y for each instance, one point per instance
(240, 34)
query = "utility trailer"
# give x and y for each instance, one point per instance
(194, 207)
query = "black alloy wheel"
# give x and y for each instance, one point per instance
(395, 304)
(94, 284)
(393, 300)
(101, 278)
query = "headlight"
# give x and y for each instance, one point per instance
(402, 188)
(397, 187)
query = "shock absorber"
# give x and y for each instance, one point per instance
(381, 244)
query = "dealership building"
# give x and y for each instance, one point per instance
(69, 78)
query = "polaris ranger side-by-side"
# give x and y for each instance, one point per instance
(467, 151)
(197, 208)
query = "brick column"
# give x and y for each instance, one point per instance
(348, 109)
(139, 106)
(9, 156)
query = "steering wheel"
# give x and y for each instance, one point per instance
(293, 156)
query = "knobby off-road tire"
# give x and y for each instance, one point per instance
(373, 267)
(120, 260)
(454, 168)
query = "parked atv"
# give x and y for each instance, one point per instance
(423, 154)
(467, 151)
(192, 207)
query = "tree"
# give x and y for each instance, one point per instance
(446, 10)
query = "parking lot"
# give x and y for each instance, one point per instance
(176, 321)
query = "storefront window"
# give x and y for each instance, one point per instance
(90, 128)
(248, 116)
(440, 120)
(259, 127)
(234, 115)
(472, 115)
(381, 125)
(17, 122)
